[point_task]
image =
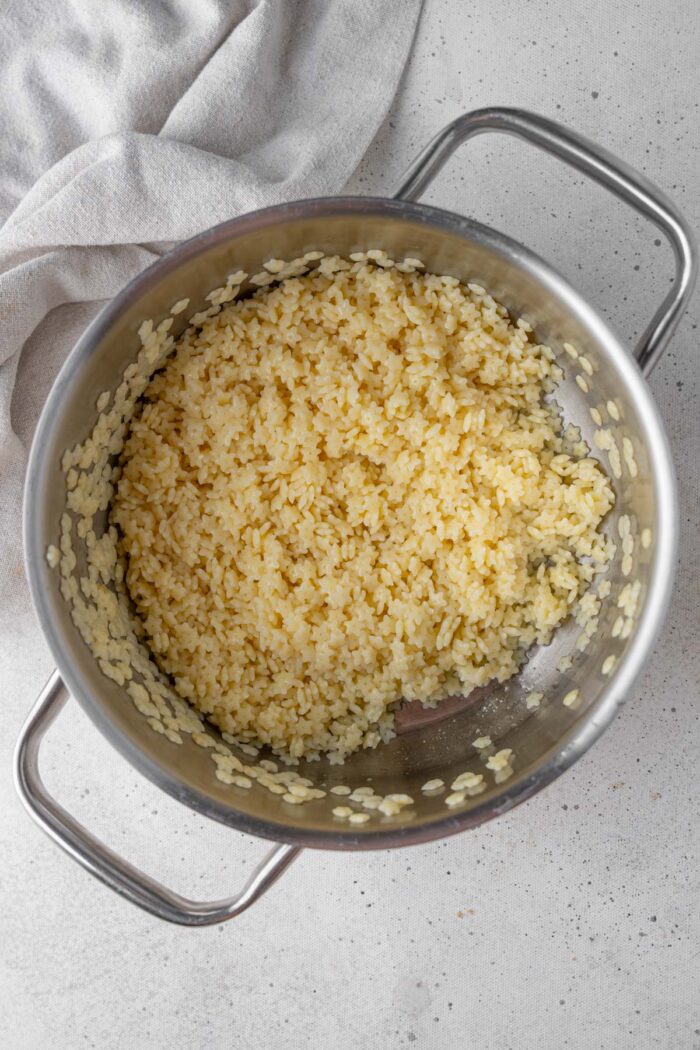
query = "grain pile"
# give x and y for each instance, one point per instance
(346, 490)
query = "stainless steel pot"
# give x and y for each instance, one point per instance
(545, 741)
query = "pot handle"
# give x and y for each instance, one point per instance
(101, 861)
(600, 166)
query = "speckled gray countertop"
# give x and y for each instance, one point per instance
(575, 920)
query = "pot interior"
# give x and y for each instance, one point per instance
(429, 744)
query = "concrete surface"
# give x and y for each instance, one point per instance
(571, 922)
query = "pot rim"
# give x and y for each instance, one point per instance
(592, 721)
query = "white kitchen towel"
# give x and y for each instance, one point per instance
(127, 126)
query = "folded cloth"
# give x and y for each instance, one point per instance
(128, 127)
